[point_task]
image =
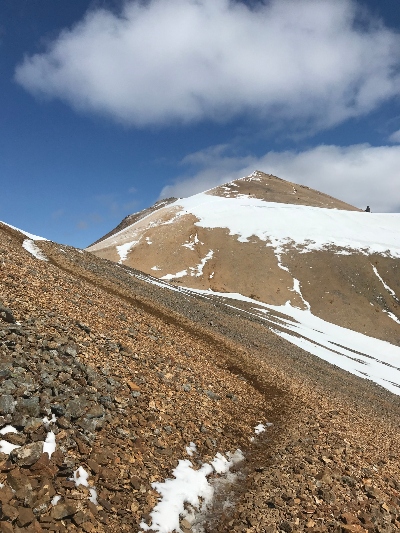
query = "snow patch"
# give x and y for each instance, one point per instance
(33, 249)
(291, 225)
(49, 444)
(124, 249)
(390, 291)
(191, 244)
(392, 316)
(177, 275)
(191, 449)
(189, 487)
(198, 269)
(81, 478)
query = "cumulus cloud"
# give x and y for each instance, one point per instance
(359, 174)
(313, 62)
(395, 137)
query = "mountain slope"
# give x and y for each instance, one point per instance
(133, 372)
(244, 237)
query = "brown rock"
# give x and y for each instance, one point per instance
(82, 447)
(9, 512)
(6, 527)
(87, 526)
(18, 480)
(43, 462)
(349, 518)
(15, 438)
(133, 386)
(62, 510)
(353, 528)
(25, 516)
(6, 494)
(94, 467)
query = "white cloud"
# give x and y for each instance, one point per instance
(185, 60)
(360, 174)
(395, 137)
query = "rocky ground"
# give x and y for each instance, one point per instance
(127, 374)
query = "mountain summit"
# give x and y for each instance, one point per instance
(274, 242)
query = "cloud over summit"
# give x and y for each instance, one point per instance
(188, 60)
(359, 174)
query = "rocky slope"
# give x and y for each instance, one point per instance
(274, 241)
(128, 374)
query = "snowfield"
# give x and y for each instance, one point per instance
(287, 224)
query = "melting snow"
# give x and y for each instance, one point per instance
(198, 269)
(191, 244)
(81, 478)
(177, 275)
(189, 487)
(191, 449)
(49, 444)
(390, 291)
(55, 500)
(7, 447)
(33, 249)
(124, 249)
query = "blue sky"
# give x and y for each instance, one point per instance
(106, 106)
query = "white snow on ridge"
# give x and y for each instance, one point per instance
(34, 250)
(29, 235)
(283, 224)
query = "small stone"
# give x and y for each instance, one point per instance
(62, 510)
(27, 455)
(286, 526)
(186, 525)
(25, 516)
(6, 527)
(6, 314)
(15, 438)
(135, 482)
(71, 351)
(18, 480)
(32, 425)
(58, 409)
(6, 494)
(349, 518)
(29, 406)
(7, 404)
(77, 407)
(133, 386)
(9, 512)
